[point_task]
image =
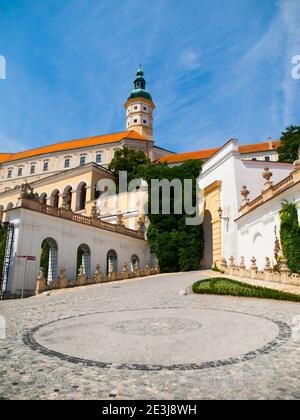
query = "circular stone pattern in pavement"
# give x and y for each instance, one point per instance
(153, 339)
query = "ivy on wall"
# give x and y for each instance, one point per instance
(290, 235)
(44, 264)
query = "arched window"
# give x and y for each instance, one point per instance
(135, 263)
(67, 197)
(9, 206)
(84, 259)
(112, 262)
(81, 196)
(43, 198)
(48, 260)
(54, 199)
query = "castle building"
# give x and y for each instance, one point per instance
(63, 180)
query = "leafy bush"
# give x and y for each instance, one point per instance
(290, 143)
(228, 287)
(290, 235)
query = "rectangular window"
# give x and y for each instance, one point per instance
(67, 163)
(145, 121)
(267, 158)
(20, 171)
(135, 107)
(46, 166)
(32, 169)
(254, 159)
(82, 160)
(9, 173)
(98, 158)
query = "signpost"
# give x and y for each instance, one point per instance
(26, 258)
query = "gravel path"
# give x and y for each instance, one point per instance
(144, 339)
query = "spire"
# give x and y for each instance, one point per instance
(139, 90)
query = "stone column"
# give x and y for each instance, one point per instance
(40, 282)
(98, 274)
(231, 266)
(125, 272)
(223, 265)
(63, 281)
(242, 266)
(268, 270)
(253, 268)
(81, 276)
(285, 272)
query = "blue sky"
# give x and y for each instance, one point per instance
(216, 69)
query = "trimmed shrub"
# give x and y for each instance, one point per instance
(290, 235)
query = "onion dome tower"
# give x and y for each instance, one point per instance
(139, 108)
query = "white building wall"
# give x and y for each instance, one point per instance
(256, 230)
(228, 167)
(31, 228)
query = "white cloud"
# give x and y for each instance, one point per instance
(190, 59)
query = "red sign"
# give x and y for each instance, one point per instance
(27, 257)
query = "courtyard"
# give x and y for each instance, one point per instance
(145, 339)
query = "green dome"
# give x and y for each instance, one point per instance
(139, 90)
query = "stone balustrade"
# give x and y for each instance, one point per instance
(283, 275)
(82, 280)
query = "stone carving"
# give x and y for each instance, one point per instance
(81, 276)
(63, 281)
(40, 282)
(120, 220)
(98, 274)
(267, 175)
(26, 192)
(245, 194)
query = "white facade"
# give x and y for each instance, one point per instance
(32, 228)
(256, 229)
(228, 167)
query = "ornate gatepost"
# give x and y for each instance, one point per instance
(253, 268)
(268, 271)
(98, 274)
(62, 279)
(242, 266)
(81, 276)
(125, 272)
(231, 266)
(40, 282)
(284, 272)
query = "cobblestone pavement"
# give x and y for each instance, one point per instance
(144, 339)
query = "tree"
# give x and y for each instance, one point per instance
(290, 235)
(129, 160)
(3, 239)
(290, 144)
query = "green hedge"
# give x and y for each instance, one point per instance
(228, 287)
(290, 235)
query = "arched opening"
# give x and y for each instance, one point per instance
(81, 196)
(84, 259)
(207, 261)
(43, 198)
(9, 206)
(135, 263)
(48, 260)
(67, 198)
(111, 262)
(54, 199)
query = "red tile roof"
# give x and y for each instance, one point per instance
(207, 154)
(70, 145)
